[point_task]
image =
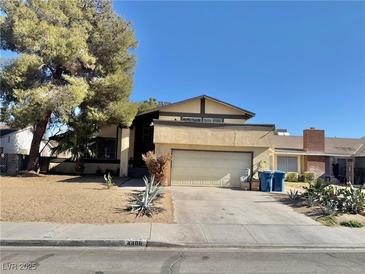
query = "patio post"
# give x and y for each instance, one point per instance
(124, 149)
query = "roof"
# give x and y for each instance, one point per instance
(265, 127)
(248, 113)
(333, 146)
(5, 129)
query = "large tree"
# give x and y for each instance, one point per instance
(74, 60)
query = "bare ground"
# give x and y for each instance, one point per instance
(72, 199)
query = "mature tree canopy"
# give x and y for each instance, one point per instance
(149, 104)
(73, 55)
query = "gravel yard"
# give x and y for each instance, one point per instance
(71, 199)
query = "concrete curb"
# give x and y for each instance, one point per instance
(76, 243)
(145, 243)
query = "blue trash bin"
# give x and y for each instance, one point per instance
(265, 181)
(278, 181)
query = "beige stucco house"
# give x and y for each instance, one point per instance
(211, 143)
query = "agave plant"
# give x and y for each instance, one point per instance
(143, 204)
(108, 180)
(293, 195)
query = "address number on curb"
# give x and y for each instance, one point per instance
(135, 243)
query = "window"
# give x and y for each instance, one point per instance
(106, 148)
(204, 120)
(288, 163)
(192, 119)
(213, 120)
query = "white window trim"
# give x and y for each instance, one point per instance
(289, 155)
(191, 119)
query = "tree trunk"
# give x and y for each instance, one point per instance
(40, 129)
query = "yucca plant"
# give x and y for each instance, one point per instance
(143, 203)
(293, 195)
(108, 180)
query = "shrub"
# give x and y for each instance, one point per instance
(292, 177)
(313, 192)
(309, 177)
(352, 200)
(351, 223)
(157, 165)
(327, 220)
(143, 203)
(108, 180)
(310, 199)
(329, 207)
(293, 195)
(301, 178)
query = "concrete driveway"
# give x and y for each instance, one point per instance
(227, 216)
(211, 205)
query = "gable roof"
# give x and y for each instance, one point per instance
(249, 114)
(333, 146)
(5, 129)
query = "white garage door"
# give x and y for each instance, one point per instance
(208, 168)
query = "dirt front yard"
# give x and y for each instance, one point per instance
(71, 199)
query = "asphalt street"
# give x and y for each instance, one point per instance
(167, 260)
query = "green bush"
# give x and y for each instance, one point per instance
(352, 223)
(292, 177)
(327, 220)
(309, 177)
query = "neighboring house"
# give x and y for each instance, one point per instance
(212, 145)
(18, 141)
(340, 158)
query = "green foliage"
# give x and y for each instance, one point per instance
(149, 104)
(309, 177)
(143, 203)
(334, 199)
(108, 180)
(327, 220)
(352, 223)
(313, 192)
(292, 177)
(352, 200)
(79, 141)
(293, 195)
(73, 55)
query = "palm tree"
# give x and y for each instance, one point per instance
(80, 141)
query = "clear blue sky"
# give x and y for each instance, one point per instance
(295, 64)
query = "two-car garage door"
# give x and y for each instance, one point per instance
(208, 168)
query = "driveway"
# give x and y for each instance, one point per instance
(235, 217)
(211, 205)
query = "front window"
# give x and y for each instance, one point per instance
(213, 120)
(191, 119)
(204, 120)
(106, 148)
(288, 163)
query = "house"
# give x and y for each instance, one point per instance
(15, 147)
(18, 141)
(339, 158)
(212, 144)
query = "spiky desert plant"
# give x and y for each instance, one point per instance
(108, 180)
(143, 204)
(293, 195)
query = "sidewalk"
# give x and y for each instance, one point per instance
(185, 235)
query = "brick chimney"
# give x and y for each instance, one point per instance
(313, 140)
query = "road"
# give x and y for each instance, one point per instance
(157, 260)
